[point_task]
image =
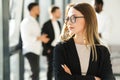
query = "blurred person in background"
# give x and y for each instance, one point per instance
(52, 28)
(31, 38)
(104, 22)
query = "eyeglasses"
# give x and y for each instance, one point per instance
(72, 18)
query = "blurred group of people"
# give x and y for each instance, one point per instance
(33, 38)
(49, 36)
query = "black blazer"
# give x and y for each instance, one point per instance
(48, 29)
(66, 53)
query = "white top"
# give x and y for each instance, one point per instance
(30, 30)
(104, 25)
(84, 56)
(56, 32)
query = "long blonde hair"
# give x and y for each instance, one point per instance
(68, 7)
(91, 27)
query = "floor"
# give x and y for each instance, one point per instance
(43, 63)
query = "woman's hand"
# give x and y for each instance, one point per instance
(97, 78)
(66, 69)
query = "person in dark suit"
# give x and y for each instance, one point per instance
(52, 28)
(80, 54)
(31, 39)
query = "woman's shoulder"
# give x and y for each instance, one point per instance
(103, 47)
(64, 43)
(103, 50)
(61, 44)
(59, 49)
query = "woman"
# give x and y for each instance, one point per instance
(81, 56)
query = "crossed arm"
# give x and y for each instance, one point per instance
(67, 70)
(63, 72)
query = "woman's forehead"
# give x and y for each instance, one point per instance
(73, 11)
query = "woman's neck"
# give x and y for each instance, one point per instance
(79, 39)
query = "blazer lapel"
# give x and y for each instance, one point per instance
(52, 30)
(93, 65)
(74, 57)
(90, 63)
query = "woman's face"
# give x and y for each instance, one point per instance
(75, 22)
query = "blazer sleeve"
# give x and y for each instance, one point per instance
(60, 74)
(44, 29)
(46, 46)
(106, 67)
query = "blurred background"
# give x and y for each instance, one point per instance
(13, 66)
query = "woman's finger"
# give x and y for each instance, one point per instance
(62, 66)
(66, 69)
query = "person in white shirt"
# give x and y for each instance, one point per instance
(30, 34)
(52, 28)
(104, 23)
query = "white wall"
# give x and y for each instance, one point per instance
(111, 7)
(60, 4)
(44, 13)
